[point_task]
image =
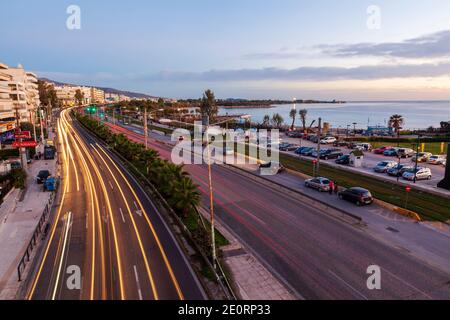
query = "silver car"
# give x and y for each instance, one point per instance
(319, 183)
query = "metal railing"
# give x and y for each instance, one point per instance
(40, 230)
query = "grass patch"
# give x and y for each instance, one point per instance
(427, 205)
(432, 147)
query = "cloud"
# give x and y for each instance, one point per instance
(309, 73)
(433, 45)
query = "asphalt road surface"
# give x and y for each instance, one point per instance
(318, 256)
(109, 230)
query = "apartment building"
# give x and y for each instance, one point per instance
(18, 93)
(97, 95)
(66, 95)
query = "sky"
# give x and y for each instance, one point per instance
(279, 49)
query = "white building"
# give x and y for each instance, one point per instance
(18, 93)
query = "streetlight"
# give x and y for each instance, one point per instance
(417, 157)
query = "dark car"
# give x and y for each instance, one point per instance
(42, 176)
(357, 195)
(300, 149)
(308, 151)
(345, 159)
(288, 147)
(331, 154)
(275, 166)
(398, 170)
(341, 143)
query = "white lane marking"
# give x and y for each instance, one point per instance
(135, 204)
(68, 224)
(121, 213)
(348, 285)
(111, 185)
(409, 285)
(137, 282)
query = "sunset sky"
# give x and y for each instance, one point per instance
(238, 48)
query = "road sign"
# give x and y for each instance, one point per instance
(22, 135)
(24, 144)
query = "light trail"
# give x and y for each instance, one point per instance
(116, 242)
(141, 246)
(95, 214)
(161, 249)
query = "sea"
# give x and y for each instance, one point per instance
(416, 114)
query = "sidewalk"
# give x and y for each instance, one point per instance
(20, 214)
(252, 281)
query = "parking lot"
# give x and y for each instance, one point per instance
(370, 160)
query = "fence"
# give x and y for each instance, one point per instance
(34, 239)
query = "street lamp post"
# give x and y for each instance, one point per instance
(319, 134)
(417, 158)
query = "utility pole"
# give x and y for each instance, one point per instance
(18, 130)
(319, 134)
(417, 158)
(211, 198)
(145, 127)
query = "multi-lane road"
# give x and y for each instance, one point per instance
(317, 256)
(108, 232)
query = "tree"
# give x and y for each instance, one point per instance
(266, 120)
(396, 121)
(292, 115)
(303, 113)
(277, 120)
(208, 106)
(79, 97)
(185, 196)
(47, 93)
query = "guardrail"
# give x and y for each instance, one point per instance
(38, 231)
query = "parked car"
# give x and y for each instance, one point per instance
(421, 157)
(275, 166)
(308, 151)
(320, 184)
(419, 173)
(398, 170)
(381, 150)
(357, 195)
(341, 143)
(391, 152)
(436, 159)
(384, 166)
(405, 152)
(300, 149)
(331, 154)
(288, 147)
(345, 159)
(328, 140)
(366, 146)
(42, 176)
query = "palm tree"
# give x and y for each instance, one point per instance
(293, 114)
(303, 113)
(208, 105)
(266, 120)
(185, 196)
(277, 120)
(396, 121)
